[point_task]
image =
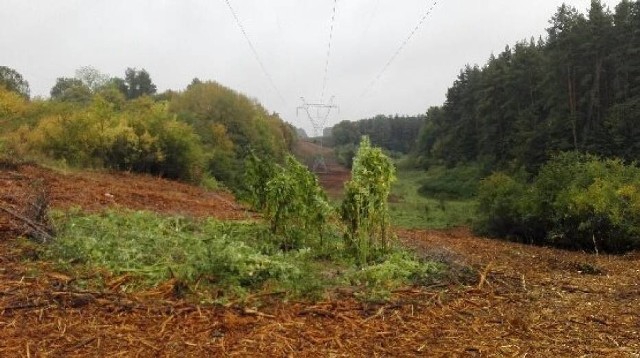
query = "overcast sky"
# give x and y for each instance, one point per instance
(177, 40)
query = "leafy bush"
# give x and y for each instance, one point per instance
(576, 201)
(143, 138)
(228, 258)
(12, 104)
(290, 198)
(506, 208)
(364, 209)
(398, 269)
(258, 172)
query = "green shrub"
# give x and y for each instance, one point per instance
(398, 269)
(364, 209)
(258, 172)
(143, 138)
(593, 201)
(506, 208)
(290, 198)
(157, 248)
(576, 201)
(183, 156)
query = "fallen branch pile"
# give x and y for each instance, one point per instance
(24, 205)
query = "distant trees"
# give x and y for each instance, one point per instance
(13, 81)
(92, 78)
(395, 134)
(231, 125)
(96, 120)
(89, 81)
(577, 90)
(12, 104)
(137, 83)
(70, 90)
(142, 137)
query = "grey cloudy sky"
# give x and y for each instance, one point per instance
(177, 40)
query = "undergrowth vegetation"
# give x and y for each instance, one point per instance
(576, 201)
(410, 208)
(228, 259)
(237, 256)
(460, 182)
(303, 248)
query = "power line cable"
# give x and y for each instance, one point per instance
(326, 65)
(399, 50)
(255, 52)
(371, 17)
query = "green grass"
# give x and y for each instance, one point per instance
(232, 259)
(460, 182)
(410, 209)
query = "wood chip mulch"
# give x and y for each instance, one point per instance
(523, 300)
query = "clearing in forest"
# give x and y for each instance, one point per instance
(515, 300)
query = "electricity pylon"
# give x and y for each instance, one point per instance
(318, 114)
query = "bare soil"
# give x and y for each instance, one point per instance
(518, 301)
(99, 190)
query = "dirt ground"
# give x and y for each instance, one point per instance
(97, 190)
(520, 301)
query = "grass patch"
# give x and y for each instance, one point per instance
(232, 259)
(410, 209)
(460, 182)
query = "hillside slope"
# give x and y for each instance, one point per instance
(517, 301)
(99, 190)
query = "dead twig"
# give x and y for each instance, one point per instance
(317, 312)
(252, 312)
(483, 276)
(32, 225)
(22, 306)
(379, 313)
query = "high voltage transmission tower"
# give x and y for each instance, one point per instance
(318, 114)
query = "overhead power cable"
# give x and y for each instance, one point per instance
(255, 52)
(326, 65)
(371, 17)
(399, 50)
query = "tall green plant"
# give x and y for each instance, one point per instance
(258, 172)
(290, 198)
(364, 210)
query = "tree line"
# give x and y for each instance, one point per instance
(395, 134)
(94, 120)
(576, 90)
